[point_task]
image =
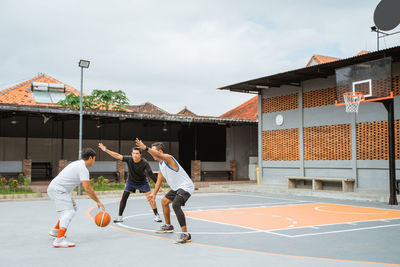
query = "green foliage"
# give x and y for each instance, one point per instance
(101, 181)
(27, 181)
(3, 181)
(71, 101)
(21, 179)
(13, 184)
(92, 182)
(99, 99)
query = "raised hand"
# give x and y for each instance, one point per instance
(140, 144)
(102, 147)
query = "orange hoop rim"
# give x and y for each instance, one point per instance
(391, 96)
(354, 94)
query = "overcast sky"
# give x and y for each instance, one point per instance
(177, 53)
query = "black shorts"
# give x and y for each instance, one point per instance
(172, 194)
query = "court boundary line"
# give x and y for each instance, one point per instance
(238, 249)
(342, 231)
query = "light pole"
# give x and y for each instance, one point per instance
(82, 64)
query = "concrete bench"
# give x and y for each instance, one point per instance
(347, 183)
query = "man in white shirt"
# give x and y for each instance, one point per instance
(60, 190)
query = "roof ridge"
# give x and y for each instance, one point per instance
(21, 84)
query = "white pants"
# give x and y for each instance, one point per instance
(64, 204)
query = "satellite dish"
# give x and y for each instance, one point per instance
(387, 15)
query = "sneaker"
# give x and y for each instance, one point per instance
(62, 242)
(166, 229)
(118, 219)
(157, 218)
(184, 238)
(53, 232)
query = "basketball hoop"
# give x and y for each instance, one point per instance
(352, 101)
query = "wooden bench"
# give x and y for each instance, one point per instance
(347, 183)
(216, 174)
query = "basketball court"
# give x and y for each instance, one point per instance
(301, 230)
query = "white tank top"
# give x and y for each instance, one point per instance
(176, 179)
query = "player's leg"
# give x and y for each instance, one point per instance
(167, 199)
(179, 201)
(66, 215)
(145, 188)
(122, 205)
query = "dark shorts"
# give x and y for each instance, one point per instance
(180, 192)
(132, 187)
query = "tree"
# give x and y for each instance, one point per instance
(99, 99)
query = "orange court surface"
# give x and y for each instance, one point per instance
(288, 217)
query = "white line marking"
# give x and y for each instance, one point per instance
(349, 230)
(241, 205)
(291, 200)
(345, 212)
(217, 233)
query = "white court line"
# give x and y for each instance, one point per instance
(253, 230)
(331, 224)
(204, 233)
(342, 231)
(260, 205)
(291, 200)
(345, 212)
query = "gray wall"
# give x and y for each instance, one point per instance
(370, 175)
(241, 143)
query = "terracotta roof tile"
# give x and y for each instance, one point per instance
(186, 112)
(146, 108)
(247, 110)
(363, 52)
(319, 59)
(19, 95)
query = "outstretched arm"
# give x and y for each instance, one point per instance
(165, 157)
(109, 152)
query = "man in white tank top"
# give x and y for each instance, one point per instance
(181, 188)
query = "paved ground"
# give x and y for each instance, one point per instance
(228, 229)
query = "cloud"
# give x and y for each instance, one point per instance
(176, 53)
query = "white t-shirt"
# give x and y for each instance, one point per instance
(71, 176)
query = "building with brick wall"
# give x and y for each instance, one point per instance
(39, 137)
(303, 133)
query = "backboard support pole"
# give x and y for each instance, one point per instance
(389, 105)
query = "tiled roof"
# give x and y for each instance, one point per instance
(247, 110)
(363, 52)
(19, 95)
(146, 108)
(319, 59)
(186, 112)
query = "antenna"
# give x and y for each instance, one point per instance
(386, 18)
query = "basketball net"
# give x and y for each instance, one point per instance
(352, 101)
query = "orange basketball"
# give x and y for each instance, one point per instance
(102, 219)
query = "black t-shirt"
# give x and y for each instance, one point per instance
(138, 171)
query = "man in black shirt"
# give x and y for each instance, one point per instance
(138, 169)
